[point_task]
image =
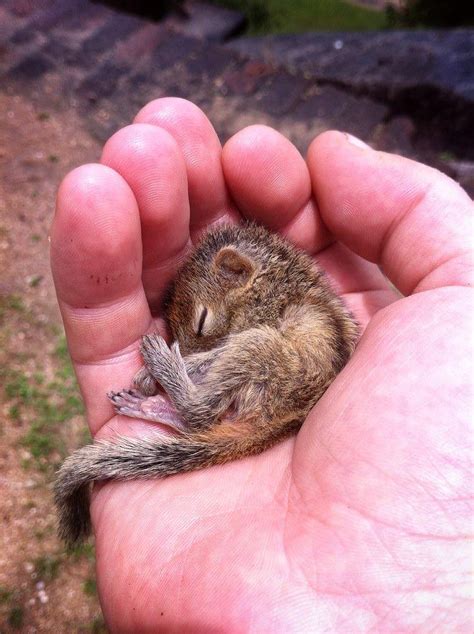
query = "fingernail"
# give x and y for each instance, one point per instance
(357, 142)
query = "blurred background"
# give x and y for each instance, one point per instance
(399, 75)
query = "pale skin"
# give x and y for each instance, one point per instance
(363, 521)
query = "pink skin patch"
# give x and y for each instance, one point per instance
(153, 408)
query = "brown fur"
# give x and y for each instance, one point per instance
(262, 337)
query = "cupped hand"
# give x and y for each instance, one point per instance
(361, 522)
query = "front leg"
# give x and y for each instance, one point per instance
(196, 364)
(144, 383)
(168, 368)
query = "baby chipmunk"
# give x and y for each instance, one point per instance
(258, 338)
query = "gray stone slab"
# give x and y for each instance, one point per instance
(102, 82)
(31, 68)
(340, 110)
(380, 62)
(117, 28)
(174, 48)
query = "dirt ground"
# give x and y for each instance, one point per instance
(42, 588)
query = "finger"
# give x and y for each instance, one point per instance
(412, 220)
(270, 183)
(201, 149)
(150, 161)
(96, 261)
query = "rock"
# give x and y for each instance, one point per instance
(463, 174)
(380, 61)
(396, 136)
(426, 75)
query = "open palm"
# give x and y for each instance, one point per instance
(361, 522)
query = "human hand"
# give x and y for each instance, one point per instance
(359, 523)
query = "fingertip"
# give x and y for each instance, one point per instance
(151, 162)
(87, 181)
(138, 142)
(201, 149)
(266, 175)
(95, 229)
(331, 141)
(173, 110)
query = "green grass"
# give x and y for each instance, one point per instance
(47, 406)
(5, 594)
(35, 280)
(47, 567)
(282, 16)
(14, 612)
(15, 617)
(90, 587)
(39, 404)
(98, 626)
(86, 550)
(11, 302)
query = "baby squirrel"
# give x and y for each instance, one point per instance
(258, 337)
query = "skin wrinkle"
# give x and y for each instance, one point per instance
(117, 357)
(86, 311)
(423, 285)
(449, 485)
(286, 225)
(182, 574)
(385, 546)
(363, 306)
(82, 316)
(308, 222)
(295, 565)
(407, 532)
(174, 260)
(364, 270)
(397, 221)
(447, 515)
(322, 237)
(285, 505)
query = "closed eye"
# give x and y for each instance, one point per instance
(202, 320)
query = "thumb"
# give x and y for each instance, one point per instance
(412, 220)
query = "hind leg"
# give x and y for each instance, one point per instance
(154, 408)
(196, 365)
(199, 407)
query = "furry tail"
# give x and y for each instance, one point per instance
(145, 458)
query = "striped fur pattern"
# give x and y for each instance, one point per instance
(259, 336)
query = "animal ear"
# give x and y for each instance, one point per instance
(234, 265)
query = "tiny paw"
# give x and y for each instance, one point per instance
(161, 361)
(127, 402)
(144, 382)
